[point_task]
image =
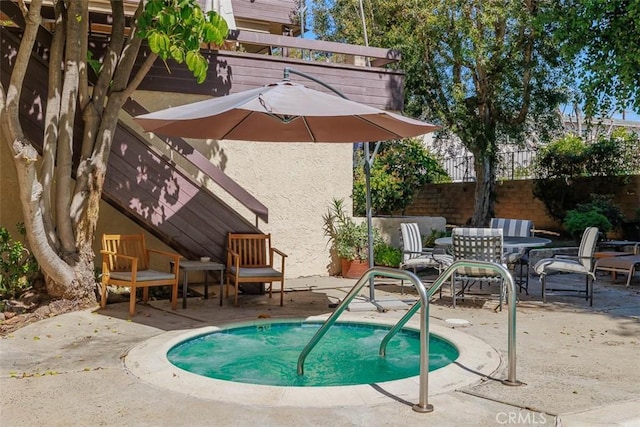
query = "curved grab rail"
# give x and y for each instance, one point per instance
(422, 405)
(498, 268)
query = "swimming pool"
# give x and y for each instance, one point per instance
(267, 353)
(149, 363)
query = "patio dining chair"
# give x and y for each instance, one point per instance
(581, 264)
(476, 244)
(513, 256)
(414, 256)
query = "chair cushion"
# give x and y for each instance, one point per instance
(443, 259)
(423, 261)
(142, 276)
(411, 240)
(546, 265)
(512, 257)
(256, 272)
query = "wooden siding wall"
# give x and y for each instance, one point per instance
(514, 200)
(232, 72)
(278, 11)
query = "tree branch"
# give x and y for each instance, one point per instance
(92, 111)
(25, 155)
(77, 12)
(52, 117)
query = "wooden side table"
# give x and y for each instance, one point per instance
(189, 265)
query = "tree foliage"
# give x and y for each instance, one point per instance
(61, 213)
(485, 70)
(400, 169)
(599, 40)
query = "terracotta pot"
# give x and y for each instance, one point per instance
(353, 269)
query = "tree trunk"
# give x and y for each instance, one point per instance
(485, 191)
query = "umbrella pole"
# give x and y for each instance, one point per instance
(367, 180)
(367, 176)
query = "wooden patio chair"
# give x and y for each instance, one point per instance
(125, 262)
(250, 259)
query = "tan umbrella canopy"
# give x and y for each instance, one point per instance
(287, 112)
(282, 112)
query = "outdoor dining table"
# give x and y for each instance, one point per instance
(516, 242)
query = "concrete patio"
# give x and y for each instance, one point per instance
(579, 365)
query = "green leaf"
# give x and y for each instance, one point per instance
(154, 42)
(192, 58)
(153, 7)
(177, 54)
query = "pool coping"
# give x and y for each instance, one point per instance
(147, 361)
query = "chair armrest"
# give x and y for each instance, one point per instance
(424, 252)
(279, 252)
(163, 253)
(176, 257)
(283, 256)
(117, 255)
(105, 265)
(537, 254)
(233, 259)
(561, 256)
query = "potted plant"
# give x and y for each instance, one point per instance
(348, 238)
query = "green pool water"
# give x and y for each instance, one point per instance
(347, 355)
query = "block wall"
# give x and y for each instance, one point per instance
(515, 199)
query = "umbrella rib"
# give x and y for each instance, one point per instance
(224, 136)
(379, 127)
(309, 131)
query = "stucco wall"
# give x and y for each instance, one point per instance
(295, 181)
(10, 212)
(390, 226)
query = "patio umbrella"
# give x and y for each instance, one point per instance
(282, 112)
(286, 112)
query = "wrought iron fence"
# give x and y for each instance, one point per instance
(513, 165)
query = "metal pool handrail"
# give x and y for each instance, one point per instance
(423, 405)
(498, 268)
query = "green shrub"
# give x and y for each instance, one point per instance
(603, 204)
(570, 169)
(387, 256)
(17, 266)
(400, 169)
(577, 221)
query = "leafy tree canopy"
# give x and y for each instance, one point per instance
(486, 70)
(599, 40)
